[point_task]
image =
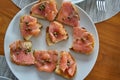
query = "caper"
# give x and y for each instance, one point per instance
(68, 17)
(83, 39)
(55, 34)
(27, 23)
(68, 63)
(48, 60)
(28, 29)
(41, 7)
(27, 51)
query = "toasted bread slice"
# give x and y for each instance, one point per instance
(29, 26)
(21, 53)
(66, 65)
(83, 41)
(68, 14)
(48, 40)
(55, 33)
(45, 9)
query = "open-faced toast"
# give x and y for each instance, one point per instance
(55, 33)
(21, 53)
(66, 66)
(68, 14)
(83, 41)
(45, 9)
(29, 26)
(46, 60)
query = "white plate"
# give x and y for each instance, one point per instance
(85, 63)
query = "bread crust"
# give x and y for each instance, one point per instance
(36, 15)
(60, 72)
(48, 40)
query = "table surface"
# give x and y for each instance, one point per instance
(107, 66)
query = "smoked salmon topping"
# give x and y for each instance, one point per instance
(57, 32)
(67, 63)
(45, 9)
(83, 40)
(46, 60)
(21, 52)
(68, 14)
(29, 26)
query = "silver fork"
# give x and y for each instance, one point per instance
(101, 5)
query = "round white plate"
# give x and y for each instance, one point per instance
(85, 63)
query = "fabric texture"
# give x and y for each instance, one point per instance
(4, 69)
(22, 3)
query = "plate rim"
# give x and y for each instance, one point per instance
(96, 38)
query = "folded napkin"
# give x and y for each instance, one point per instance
(88, 5)
(4, 69)
(23, 3)
(74, 1)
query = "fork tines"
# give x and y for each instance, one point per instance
(101, 5)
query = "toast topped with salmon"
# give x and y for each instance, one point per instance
(66, 66)
(21, 53)
(46, 60)
(29, 27)
(45, 9)
(83, 41)
(68, 14)
(55, 33)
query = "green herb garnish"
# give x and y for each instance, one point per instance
(41, 7)
(27, 51)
